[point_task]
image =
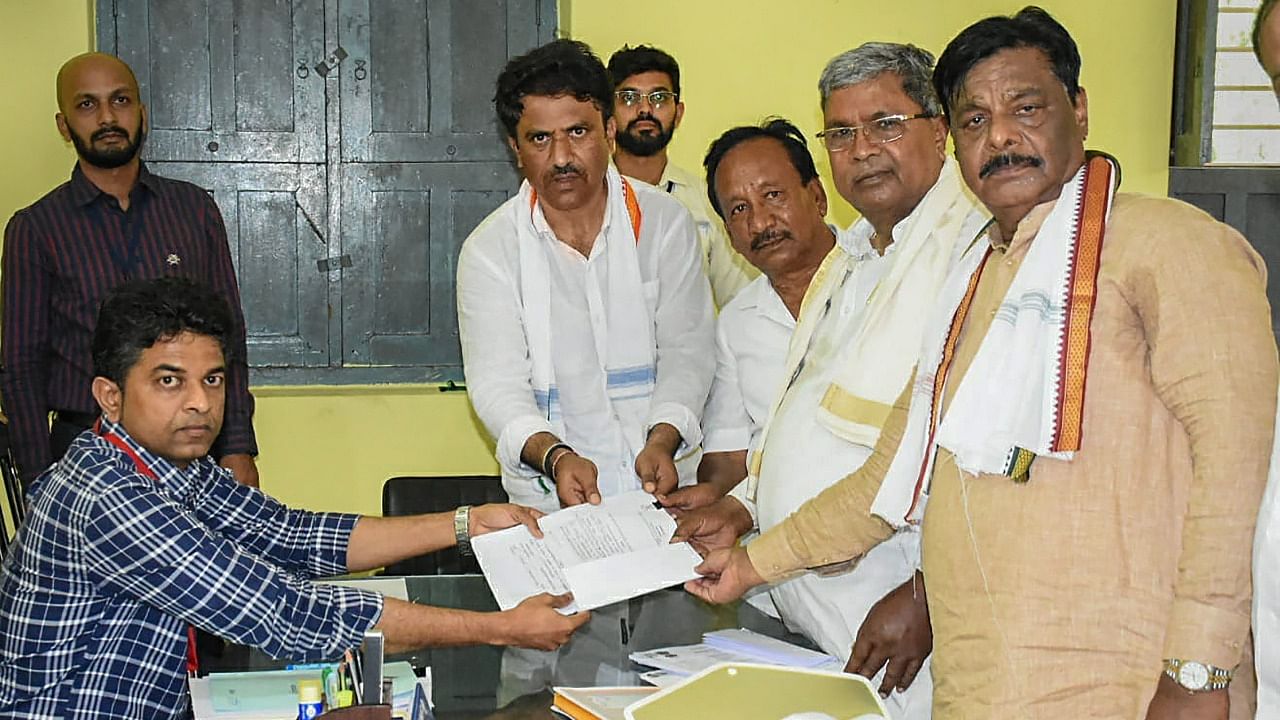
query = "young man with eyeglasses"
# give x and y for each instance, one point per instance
(648, 108)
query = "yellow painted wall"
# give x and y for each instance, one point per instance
(742, 61)
(36, 37)
(331, 448)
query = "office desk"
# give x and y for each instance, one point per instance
(485, 682)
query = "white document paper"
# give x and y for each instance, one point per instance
(685, 660)
(764, 649)
(602, 553)
(734, 646)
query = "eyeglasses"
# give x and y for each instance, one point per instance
(657, 98)
(877, 132)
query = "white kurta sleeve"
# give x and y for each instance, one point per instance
(495, 357)
(684, 333)
(726, 426)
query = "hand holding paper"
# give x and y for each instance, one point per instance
(725, 576)
(602, 554)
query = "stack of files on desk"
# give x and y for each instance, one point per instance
(764, 649)
(602, 703)
(731, 646)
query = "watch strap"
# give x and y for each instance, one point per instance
(1218, 678)
(462, 529)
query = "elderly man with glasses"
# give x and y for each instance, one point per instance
(1086, 441)
(648, 108)
(852, 353)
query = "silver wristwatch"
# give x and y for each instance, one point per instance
(1196, 677)
(462, 529)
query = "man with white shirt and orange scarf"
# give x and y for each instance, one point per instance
(1085, 544)
(585, 319)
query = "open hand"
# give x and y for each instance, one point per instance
(535, 624)
(498, 516)
(726, 575)
(896, 631)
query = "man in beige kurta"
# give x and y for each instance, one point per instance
(1064, 595)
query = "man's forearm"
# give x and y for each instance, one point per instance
(379, 541)
(536, 447)
(723, 470)
(665, 437)
(409, 626)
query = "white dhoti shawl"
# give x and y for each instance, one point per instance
(626, 346)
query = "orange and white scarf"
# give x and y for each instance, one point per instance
(1023, 394)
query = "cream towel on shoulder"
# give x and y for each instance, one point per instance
(881, 354)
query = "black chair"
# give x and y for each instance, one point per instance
(415, 495)
(14, 499)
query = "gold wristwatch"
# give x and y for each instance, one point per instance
(1196, 677)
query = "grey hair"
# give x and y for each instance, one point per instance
(912, 64)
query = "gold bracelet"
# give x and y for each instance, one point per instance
(567, 451)
(546, 455)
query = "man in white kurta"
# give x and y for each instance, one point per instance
(588, 348)
(1266, 548)
(856, 341)
(752, 335)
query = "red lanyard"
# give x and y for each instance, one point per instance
(193, 662)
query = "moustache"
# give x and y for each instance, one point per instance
(768, 237)
(643, 117)
(110, 130)
(565, 170)
(1005, 160)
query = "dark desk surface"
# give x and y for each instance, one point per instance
(486, 682)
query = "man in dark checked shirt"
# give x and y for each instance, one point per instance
(136, 533)
(113, 221)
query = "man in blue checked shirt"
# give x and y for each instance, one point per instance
(137, 534)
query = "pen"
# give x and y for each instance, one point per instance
(622, 626)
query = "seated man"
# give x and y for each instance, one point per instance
(137, 533)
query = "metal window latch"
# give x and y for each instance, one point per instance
(324, 67)
(333, 263)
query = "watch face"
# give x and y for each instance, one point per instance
(1193, 675)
